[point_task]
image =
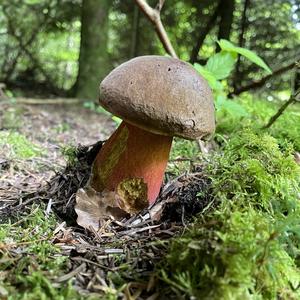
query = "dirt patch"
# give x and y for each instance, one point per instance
(49, 128)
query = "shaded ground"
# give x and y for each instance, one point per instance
(51, 128)
(28, 177)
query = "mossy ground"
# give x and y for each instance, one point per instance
(245, 244)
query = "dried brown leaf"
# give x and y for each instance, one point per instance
(93, 208)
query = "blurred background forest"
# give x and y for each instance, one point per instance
(65, 47)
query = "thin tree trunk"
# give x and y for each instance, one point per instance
(135, 32)
(226, 11)
(93, 58)
(244, 24)
(203, 33)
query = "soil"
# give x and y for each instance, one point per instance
(51, 127)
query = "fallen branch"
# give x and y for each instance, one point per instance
(295, 97)
(37, 101)
(153, 14)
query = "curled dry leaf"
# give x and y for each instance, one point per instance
(297, 158)
(94, 208)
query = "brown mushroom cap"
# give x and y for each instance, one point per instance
(160, 94)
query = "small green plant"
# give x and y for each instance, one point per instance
(182, 153)
(11, 118)
(20, 146)
(217, 70)
(63, 127)
(70, 154)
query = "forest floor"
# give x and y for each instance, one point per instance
(35, 140)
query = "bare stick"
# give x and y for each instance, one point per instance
(295, 97)
(258, 84)
(153, 14)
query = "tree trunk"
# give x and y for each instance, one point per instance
(237, 73)
(93, 58)
(135, 32)
(203, 33)
(226, 10)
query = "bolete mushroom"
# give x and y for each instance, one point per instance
(157, 97)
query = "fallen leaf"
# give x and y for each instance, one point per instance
(93, 207)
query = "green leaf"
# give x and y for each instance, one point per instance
(117, 120)
(209, 76)
(221, 64)
(252, 56)
(230, 106)
(32, 2)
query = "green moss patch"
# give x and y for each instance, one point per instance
(19, 145)
(255, 113)
(29, 260)
(246, 246)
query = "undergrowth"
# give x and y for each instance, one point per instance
(30, 262)
(246, 246)
(255, 113)
(19, 146)
(183, 152)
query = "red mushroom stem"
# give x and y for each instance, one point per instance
(132, 153)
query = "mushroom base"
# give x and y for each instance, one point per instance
(132, 153)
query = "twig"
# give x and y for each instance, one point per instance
(56, 101)
(73, 273)
(293, 98)
(13, 245)
(153, 14)
(262, 81)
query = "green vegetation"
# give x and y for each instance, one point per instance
(246, 246)
(70, 154)
(11, 118)
(246, 243)
(35, 260)
(255, 113)
(19, 145)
